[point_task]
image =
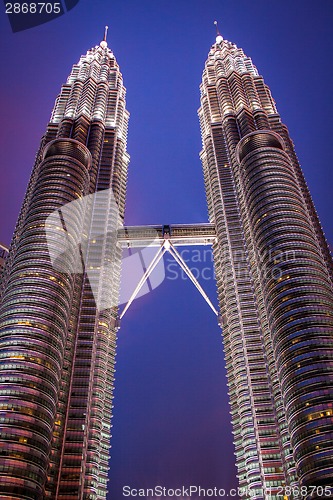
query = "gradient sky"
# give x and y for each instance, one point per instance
(171, 417)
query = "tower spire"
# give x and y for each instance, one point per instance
(104, 43)
(219, 37)
(105, 33)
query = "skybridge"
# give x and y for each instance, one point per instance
(166, 238)
(177, 234)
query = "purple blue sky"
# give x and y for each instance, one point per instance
(171, 417)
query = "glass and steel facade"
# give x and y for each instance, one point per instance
(274, 279)
(57, 348)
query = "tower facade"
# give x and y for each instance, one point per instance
(58, 311)
(274, 280)
(57, 346)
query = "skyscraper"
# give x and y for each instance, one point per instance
(57, 348)
(274, 280)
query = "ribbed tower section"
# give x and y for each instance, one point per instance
(57, 348)
(274, 279)
(3, 256)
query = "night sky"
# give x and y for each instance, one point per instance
(171, 418)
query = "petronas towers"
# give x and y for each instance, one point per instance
(274, 279)
(57, 347)
(60, 288)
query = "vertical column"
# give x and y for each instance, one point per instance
(34, 324)
(299, 300)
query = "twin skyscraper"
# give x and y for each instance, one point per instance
(274, 277)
